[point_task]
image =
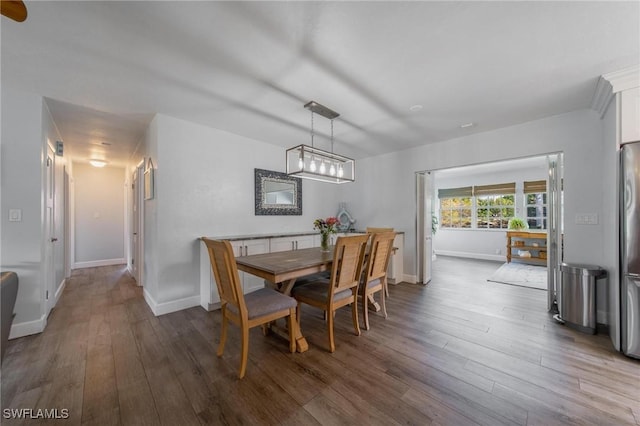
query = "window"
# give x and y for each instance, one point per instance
(535, 203)
(494, 211)
(455, 207)
(495, 205)
(455, 212)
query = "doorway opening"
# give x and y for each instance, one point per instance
(464, 213)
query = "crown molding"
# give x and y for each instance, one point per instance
(611, 83)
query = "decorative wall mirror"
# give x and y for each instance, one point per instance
(277, 193)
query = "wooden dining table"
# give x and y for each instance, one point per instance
(282, 269)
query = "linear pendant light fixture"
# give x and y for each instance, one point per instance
(314, 163)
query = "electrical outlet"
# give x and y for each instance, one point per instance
(498, 251)
(586, 219)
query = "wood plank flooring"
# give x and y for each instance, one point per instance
(460, 351)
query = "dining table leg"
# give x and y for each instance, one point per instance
(301, 343)
(373, 304)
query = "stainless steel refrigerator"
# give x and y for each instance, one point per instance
(630, 250)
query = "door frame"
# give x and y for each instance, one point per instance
(554, 253)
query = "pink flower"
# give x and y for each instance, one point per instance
(326, 226)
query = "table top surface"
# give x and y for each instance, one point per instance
(286, 261)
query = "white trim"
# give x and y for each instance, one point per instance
(411, 279)
(94, 263)
(602, 96)
(468, 255)
(171, 306)
(59, 291)
(624, 79)
(28, 328)
(611, 83)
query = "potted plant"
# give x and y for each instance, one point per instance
(517, 224)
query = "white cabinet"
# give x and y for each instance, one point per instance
(334, 237)
(209, 297)
(630, 115)
(245, 248)
(292, 243)
(395, 273)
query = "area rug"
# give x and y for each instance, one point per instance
(521, 274)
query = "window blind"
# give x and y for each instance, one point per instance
(535, 186)
(497, 189)
(466, 191)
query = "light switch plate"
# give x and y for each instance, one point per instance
(15, 215)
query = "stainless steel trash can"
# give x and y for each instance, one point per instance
(578, 296)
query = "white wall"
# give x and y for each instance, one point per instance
(99, 215)
(204, 186)
(489, 244)
(26, 129)
(385, 189)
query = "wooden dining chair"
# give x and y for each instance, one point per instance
(375, 272)
(339, 290)
(247, 311)
(375, 231)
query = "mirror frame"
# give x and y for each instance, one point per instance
(264, 209)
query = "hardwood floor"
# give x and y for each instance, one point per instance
(459, 351)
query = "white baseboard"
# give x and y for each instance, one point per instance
(94, 263)
(468, 255)
(172, 306)
(411, 279)
(60, 289)
(27, 328)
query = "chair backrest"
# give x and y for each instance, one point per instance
(376, 230)
(225, 271)
(379, 255)
(347, 263)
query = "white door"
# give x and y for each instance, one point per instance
(424, 199)
(50, 231)
(554, 230)
(135, 223)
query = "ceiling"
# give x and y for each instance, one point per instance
(106, 68)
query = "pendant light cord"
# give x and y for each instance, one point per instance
(311, 128)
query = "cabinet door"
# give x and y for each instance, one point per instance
(305, 241)
(251, 282)
(282, 244)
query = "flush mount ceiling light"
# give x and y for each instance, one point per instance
(97, 163)
(465, 125)
(313, 163)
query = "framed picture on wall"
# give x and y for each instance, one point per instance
(148, 181)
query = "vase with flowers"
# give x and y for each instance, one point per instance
(326, 227)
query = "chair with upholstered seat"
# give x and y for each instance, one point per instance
(247, 311)
(339, 290)
(375, 276)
